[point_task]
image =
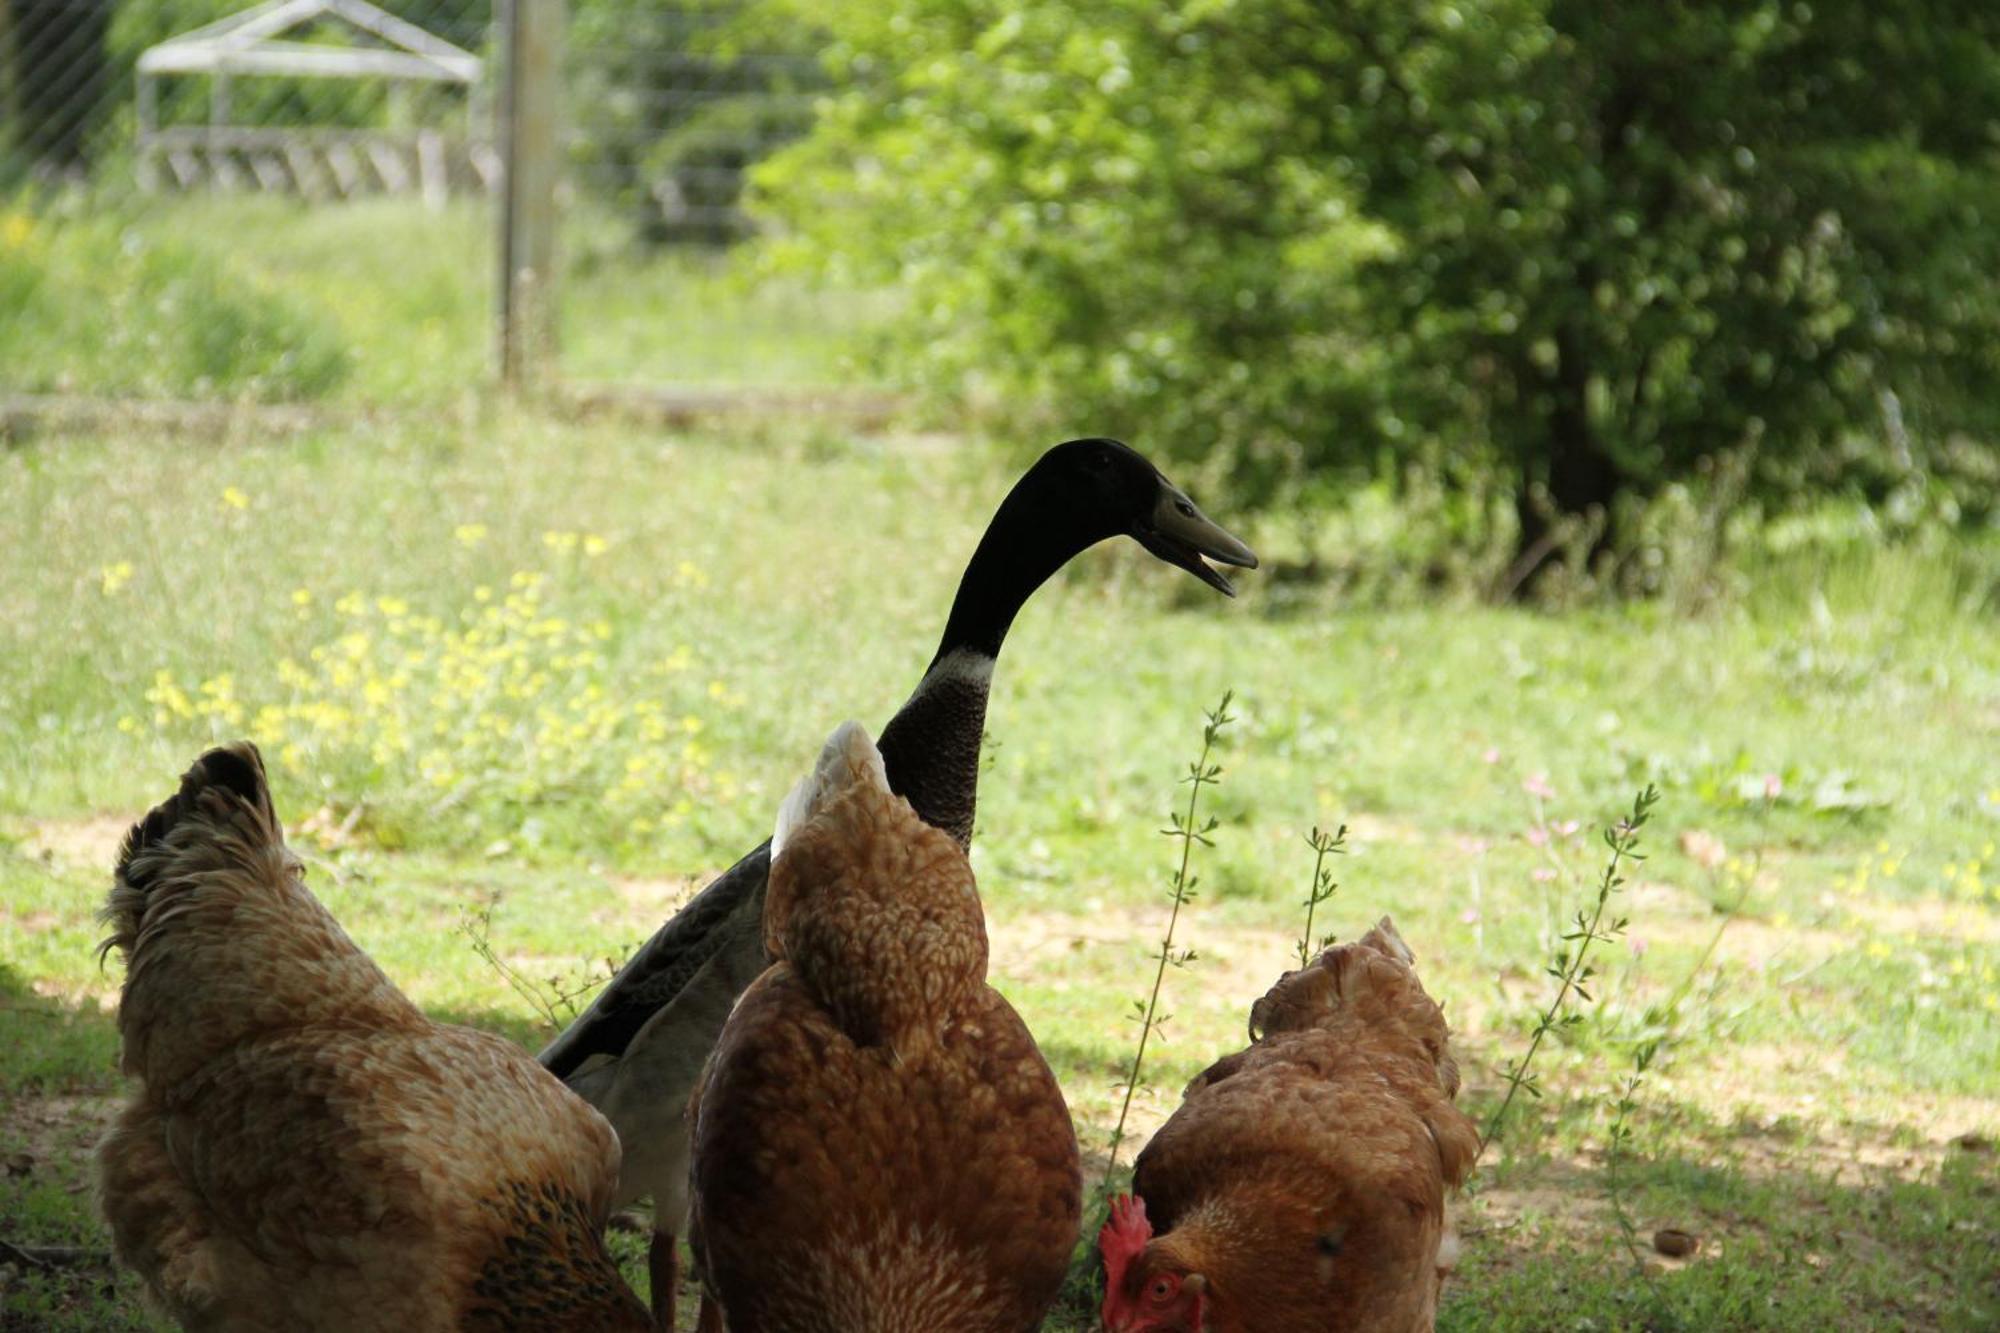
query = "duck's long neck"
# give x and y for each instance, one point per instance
(931, 747)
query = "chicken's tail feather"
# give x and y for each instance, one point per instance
(1385, 938)
(224, 794)
(849, 759)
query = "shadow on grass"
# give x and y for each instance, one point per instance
(1841, 1225)
(1797, 1232)
(50, 1047)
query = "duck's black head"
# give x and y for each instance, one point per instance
(1107, 488)
(1076, 495)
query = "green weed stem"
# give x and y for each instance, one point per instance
(1572, 972)
(1201, 773)
(1323, 887)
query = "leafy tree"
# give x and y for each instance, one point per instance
(1591, 246)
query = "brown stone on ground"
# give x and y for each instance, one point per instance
(1675, 1243)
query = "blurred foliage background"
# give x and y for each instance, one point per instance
(1587, 250)
(1554, 276)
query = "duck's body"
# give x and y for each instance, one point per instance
(637, 1052)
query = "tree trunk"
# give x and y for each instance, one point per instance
(1580, 480)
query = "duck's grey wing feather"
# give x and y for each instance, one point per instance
(662, 968)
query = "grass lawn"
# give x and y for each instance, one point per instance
(553, 677)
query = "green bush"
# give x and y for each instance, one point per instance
(95, 306)
(1590, 249)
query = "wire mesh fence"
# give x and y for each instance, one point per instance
(297, 199)
(670, 108)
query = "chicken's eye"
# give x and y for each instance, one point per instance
(1162, 1288)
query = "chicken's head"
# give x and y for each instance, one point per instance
(1146, 1289)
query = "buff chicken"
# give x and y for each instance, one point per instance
(303, 1149)
(1302, 1184)
(878, 1146)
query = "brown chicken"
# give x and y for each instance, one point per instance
(879, 1147)
(1301, 1185)
(304, 1149)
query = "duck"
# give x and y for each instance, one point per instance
(637, 1051)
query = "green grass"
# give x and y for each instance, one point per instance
(377, 301)
(725, 601)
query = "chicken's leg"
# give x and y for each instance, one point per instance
(663, 1268)
(710, 1319)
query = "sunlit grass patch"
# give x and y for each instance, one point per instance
(692, 609)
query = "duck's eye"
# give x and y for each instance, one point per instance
(1186, 508)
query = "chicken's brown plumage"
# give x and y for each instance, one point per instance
(1301, 1185)
(303, 1148)
(879, 1147)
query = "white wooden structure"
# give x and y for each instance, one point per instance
(319, 162)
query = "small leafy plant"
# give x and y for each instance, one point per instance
(556, 1002)
(1323, 886)
(1619, 1147)
(1188, 830)
(1570, 967)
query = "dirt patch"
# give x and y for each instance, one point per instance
(53, 1135)
(77, 844)
(643, 903)
(1238, 963)
(1968, 923)
(102, 991)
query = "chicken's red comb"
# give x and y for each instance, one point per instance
(1123, 1237)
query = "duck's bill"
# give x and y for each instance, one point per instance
(1181, 534)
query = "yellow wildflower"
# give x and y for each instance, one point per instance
(469, 534)
(116, 576)
(235, 498)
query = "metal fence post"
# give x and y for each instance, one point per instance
(529, 108)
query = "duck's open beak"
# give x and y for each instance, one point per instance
(1181, 534)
